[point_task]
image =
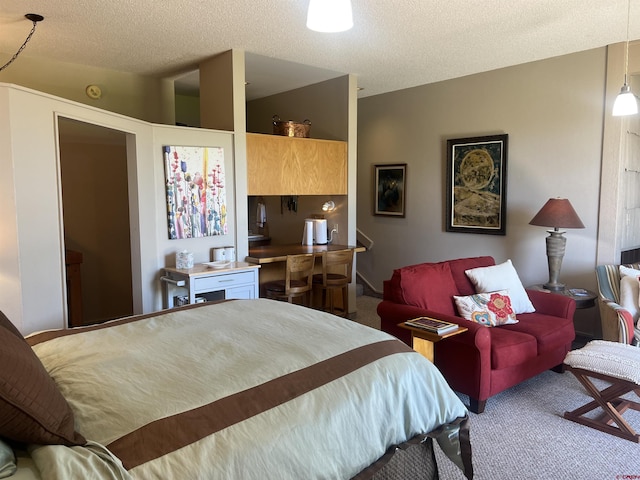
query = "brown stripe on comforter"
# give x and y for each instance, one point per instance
(171, 433)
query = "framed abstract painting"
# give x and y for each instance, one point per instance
(390, 189)
(196, 191)
(476, 185)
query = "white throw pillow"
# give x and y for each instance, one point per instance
(502, 277)
(629, 272)
(630, 291)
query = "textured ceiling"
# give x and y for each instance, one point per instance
(394, 44)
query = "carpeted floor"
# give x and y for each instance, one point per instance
(522, 434)
(366, 311)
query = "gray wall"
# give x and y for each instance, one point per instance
(553, 113)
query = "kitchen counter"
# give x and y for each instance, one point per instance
(278, 253)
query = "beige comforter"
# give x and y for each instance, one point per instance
(246, 389)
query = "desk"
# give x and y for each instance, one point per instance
(237, 280)
(278, 253)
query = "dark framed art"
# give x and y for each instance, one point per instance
(390, 189)
(476, 184)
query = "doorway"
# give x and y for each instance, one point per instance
(95, 203)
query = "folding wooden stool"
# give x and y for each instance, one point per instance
(617, 364)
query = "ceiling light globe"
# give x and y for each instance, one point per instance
(626, 103)
(329, 16)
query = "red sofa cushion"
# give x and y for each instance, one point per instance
(510, 348)
(429, 286)
(550, 332)
(458, 267)
(422, 294)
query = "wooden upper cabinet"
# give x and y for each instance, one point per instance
(279, 165)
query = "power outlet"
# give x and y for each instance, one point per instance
(335, 227)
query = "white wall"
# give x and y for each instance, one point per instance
(32, 257)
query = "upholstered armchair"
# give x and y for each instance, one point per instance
(617, 320)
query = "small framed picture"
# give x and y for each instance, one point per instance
(477, 185)
(390, 189)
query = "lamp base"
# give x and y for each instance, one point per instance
(555, 251)
(554, 287)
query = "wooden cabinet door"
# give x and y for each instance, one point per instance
(278, 165)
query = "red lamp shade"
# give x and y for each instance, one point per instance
(557, 213)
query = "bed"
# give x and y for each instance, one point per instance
(240, 389)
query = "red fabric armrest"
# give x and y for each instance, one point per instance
(391, 314)
(552, 304)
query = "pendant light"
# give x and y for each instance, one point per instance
(626, 103)
(329, 16)
(34, 18)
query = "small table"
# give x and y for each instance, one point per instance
(584, 299)
(235, 280)
(424, 340)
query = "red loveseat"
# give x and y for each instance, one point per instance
(484, 360)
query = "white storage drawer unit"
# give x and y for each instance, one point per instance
(238, 280)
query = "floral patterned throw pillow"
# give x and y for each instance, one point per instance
(490, 309)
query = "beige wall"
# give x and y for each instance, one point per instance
(618, 185)
(286, 226)
(552, 110)
(326, 105)
(32, 257)
(188, 110)
(553, 113)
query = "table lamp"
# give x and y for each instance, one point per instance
(557, 213)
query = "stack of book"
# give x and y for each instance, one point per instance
(438, 327)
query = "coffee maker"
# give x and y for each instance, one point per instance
(315, 231)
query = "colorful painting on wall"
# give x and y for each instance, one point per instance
(477, 184)
(196, 191)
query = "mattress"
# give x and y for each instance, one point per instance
(247, 389)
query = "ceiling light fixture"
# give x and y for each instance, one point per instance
(35, 18)
(329, 16)
(626, 103)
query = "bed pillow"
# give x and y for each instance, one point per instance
(491, 309)
(429, 286)
(502, 277)
(628, 272)
(32, 409)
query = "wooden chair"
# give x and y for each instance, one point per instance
(297, 281)
(337, 267)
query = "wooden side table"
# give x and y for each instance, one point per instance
(424, 340)
(584, 299)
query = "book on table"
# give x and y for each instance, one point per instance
(432, 325)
